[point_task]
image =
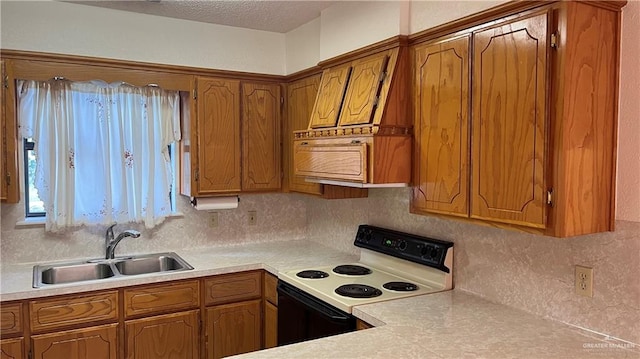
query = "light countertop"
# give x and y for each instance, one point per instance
(451, 324)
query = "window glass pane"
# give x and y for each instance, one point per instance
(35, 207)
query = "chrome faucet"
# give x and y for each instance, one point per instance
(111, 243)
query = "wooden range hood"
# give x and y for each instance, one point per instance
(360, 131)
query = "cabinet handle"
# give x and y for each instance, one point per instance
(355, 142)
(304, 143)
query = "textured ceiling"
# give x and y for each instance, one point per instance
(275, 16)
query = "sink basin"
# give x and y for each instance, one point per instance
(151, 264)
(76, 273)
(100, 269)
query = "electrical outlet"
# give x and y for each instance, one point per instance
(213, 220)
(584, 281)
(253, 218)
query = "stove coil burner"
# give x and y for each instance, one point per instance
(312, 274)
(400, 286)
(358, 291)
(351, 269)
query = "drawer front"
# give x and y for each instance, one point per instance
(270, 288)
(332, 161)
(54, 313)
(233, 287)
(161, 298)
(11, 319)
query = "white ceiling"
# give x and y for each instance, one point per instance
(267, 15)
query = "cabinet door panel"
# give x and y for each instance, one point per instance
(300, 99)
(171, 336)
(234, 329)
(364, 84)
(87, 343)
(442, 127)
(509, 117)
(330, 95)
(261, 168)
(218, 131)
(270, 325)
(12, 348)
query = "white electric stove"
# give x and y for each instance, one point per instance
(392, 265)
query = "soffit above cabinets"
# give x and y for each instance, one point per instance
(273, 16)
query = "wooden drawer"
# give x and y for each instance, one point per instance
(270, 288)
(339, 161)
(161, 298)
(11, 319)
(233, 287)
(54, 313)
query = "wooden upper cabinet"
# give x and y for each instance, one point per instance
(361, 97)
(441, 130)
(509, 122)
(261, 161)
(218, 136)
(301, 96)
(330, 95)
(9, 187)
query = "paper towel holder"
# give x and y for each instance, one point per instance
(194, 200)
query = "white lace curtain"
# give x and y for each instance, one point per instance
(101, 150)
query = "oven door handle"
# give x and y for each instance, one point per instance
(312, 302)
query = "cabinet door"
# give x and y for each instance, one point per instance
(361, 98)
(330, 95)
(270, 325)
(218, 136)
(509, 118)
(301, 96)
(261, 168)
(233, 329)
(9, 188)
(166, 336)
(442, 127)
(12, 348)
(88, 343)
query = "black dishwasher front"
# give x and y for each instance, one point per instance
(303, 317)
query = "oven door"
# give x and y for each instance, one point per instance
(303, 317)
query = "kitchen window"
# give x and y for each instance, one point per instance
(98, 153)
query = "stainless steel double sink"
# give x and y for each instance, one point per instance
(98, 269)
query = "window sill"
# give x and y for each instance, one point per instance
(33, 222)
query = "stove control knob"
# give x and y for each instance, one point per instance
(402, 245)
(434, 253)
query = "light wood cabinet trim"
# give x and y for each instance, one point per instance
(331, 91)
(336, 161)
(233, 287)
(270, 288)
(261, 138)
(442, 127)
(47, 314)
(12, 348)
(87, 343)
(509, 133)
(165, 336)
(11, 319)
(234, 329)
(161, 298)
(362, 90)
(270, 325)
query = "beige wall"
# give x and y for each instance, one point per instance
(60, 27)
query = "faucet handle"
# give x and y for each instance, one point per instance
(109, 234)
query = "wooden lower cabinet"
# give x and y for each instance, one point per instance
(12, 348)
(99, 342)
(165, 336)
(270, 325)
(234, 329)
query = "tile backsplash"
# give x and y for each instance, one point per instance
(279, 217)
(531, 272)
